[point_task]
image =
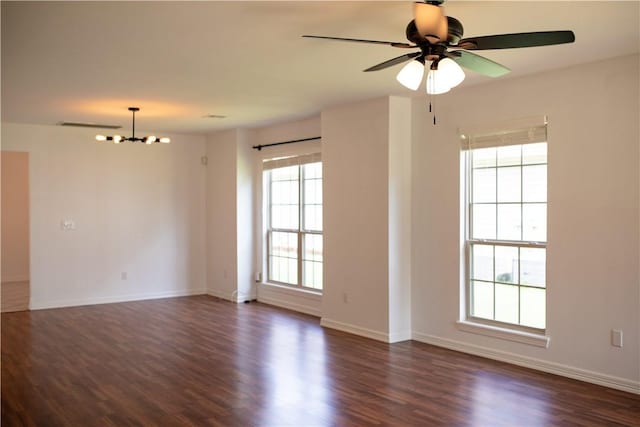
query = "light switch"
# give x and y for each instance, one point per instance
(67, 224)
(616, 338)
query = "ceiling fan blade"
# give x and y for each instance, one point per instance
(391, 62)
(394, 44)
(478, 63)
(516, 40)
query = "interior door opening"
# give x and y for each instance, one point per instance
(15, 284)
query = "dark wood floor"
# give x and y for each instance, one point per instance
(203, 361)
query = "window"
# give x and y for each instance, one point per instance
(293, 189)
(506, 223)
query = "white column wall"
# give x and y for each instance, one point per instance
(355, 150)
(222, 244)
(400, 141)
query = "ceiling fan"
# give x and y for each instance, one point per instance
(439, 40)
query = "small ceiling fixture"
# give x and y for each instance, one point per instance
(117, 139)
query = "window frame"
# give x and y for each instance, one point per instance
(469, 242)
(301, 232)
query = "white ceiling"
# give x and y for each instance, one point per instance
(180, 61)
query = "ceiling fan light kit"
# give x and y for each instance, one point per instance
(410, 76)
(117, 139)
(443, 76)
(436, 83)
(439, 40)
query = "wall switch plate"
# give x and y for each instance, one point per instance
(123, 275)
(67, 224)
(616, 337)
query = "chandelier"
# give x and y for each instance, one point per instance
(117, 139)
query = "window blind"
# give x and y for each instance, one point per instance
(281, 162)
(529, 131)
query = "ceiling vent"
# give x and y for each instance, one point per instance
(88, 125)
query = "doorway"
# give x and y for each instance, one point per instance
(15, 283)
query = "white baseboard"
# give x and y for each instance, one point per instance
(230, 296)
(292, 299)
(533, 363)
(400, 336)
(301, 308)
(353, 329)
(41, 305)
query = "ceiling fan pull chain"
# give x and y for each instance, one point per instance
(432, 109)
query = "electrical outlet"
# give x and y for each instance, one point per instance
(616, 337)
(345, 297)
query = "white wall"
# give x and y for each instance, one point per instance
(400, 138)
(367, 217)
(245, 215)
(15, 216)
(137, 209)
(230, 216)
(593, 210)
(356, 216)
(221, 211)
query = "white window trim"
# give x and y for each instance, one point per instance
(467, 323)
(297, 149)
(305, 153)
(509, 334)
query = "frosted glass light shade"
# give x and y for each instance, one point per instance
(430, 21)
(411, 75)
(451, 72)
(435, 84)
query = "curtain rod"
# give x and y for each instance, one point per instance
(260, 147)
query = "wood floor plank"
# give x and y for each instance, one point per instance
(201, 361)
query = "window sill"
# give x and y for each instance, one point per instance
(300, 291)
(504, 333)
